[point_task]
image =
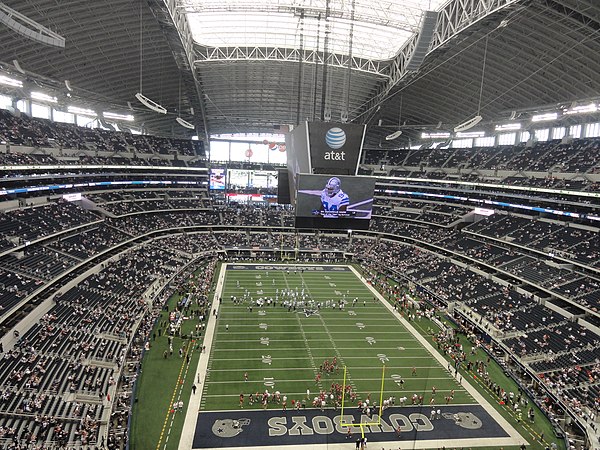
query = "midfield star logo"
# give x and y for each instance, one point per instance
(311, 312)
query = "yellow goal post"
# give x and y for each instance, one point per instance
(362, 424)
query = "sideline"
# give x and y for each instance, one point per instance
(177, 391)
(191, 415)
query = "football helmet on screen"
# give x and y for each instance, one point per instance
(333, 186)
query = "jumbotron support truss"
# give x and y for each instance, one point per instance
(211, 54)
(378, 12)
(456, 17)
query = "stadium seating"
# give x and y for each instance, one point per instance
(505, 270)
(579, 156)
(31, 132)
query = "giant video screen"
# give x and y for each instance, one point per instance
(239, 178)
(264, 179)
(334, 202)
(217, 179)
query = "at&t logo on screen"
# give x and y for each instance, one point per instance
(335, 138)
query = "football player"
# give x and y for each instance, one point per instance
(333, 199)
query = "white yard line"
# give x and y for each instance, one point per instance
(279, 349)
(370, 366)
(310, 357)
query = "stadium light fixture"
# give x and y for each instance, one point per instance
(544, 117)
(478, 118)
(468, 124)
(439, 135)
(583, 109)
(10, 81)
(82, 111)
(18, 66)
(43, 97)
(115, 116)
(185, 123)
(394, 135)
(470, 134)
(150, 104)
(508, 127)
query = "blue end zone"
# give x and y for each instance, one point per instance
(278, 428)
(289, 268)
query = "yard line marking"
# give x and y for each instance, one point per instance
(294, 393)
(370, 366)
(246, 350)
(337, 352)
(312, 359)
(357, 379)
(313, 339)
(305, 341)
(304, 393)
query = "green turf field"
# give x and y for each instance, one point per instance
(282, 350)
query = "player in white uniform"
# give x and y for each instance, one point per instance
(333, 199)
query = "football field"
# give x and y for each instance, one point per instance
(281, 337)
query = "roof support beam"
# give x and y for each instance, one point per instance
(179, 22)
(378, 14)
(579, 16)
(29, 28)
(212, 54)
(456, 17)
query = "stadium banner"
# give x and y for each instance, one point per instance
(335, 148)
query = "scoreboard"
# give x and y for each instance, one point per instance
(323, 160)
